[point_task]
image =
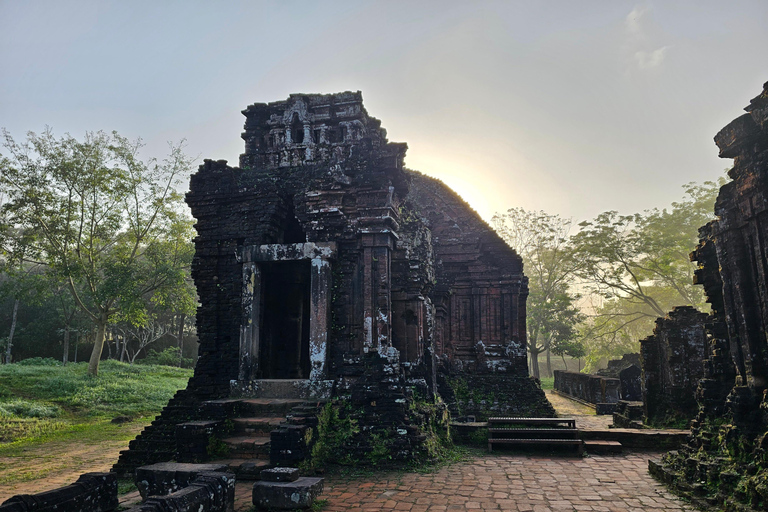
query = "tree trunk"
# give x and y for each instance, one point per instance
(65, 357)
(122, 346)
(564, 363)
(535, 364)
(98, 346)
(549, 364)
(181, 339)
(13, 329)
(77, 344)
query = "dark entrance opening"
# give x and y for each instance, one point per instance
(285, 320)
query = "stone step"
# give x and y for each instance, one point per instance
(248, 447)
(261, 425)
(245, 469)
(644, 439)
(598, 446)
(250, 407)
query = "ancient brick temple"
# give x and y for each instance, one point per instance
(321, 251)
(727, 456)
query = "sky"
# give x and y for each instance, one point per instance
(573, 108)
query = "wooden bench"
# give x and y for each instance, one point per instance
(534, 431)
(568, 422)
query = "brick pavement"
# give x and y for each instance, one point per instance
(521, 483)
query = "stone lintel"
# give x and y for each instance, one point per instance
(289, 252)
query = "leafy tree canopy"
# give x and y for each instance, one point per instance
(110, 225)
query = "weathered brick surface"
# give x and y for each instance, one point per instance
(672, 361)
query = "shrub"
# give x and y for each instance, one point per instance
(24, 409)
(39, 361)
(168, 357)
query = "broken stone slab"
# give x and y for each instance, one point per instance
(280, 474)
(96, 492)
(208, 492)
(166, 477)
(287, 495)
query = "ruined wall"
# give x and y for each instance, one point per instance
(672, 364)
(726, 459)
(600, 391)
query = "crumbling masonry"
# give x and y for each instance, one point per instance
(726, 460)
(326, 269)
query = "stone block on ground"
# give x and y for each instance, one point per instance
(208, 492)
(166, 477)
(280, 474)
(93, 492)
(287, 495)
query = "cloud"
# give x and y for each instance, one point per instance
(634, 21)
(652, 59)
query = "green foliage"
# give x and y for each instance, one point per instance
(125, 485)
(168, 357)
(380, 448)
(335, 431)
(547, 382)
(217, 449)
(39, 361)
(13, 429)
(434, 420)
(637, 269)
(25, 409)
(319, 505)
(542, 241)
(107, 224)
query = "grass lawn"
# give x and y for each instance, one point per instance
(49, 412)
(547, 382)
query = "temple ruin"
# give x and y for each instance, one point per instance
(726, 458)
(327, 269)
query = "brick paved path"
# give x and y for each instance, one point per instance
(505, 482)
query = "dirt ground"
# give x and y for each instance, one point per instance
(55, 464)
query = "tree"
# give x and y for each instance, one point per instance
(98, 214)
(639, 268)
(542, 241)
(141, 336)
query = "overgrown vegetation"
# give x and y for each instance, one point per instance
(334, 433)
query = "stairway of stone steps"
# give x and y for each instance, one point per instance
(536, 432)
(244, 429)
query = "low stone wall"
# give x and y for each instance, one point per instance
(602, 392)
(93, 492)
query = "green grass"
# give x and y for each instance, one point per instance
(38, 401)
(547, 382)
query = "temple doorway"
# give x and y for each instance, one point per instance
(284, 347)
